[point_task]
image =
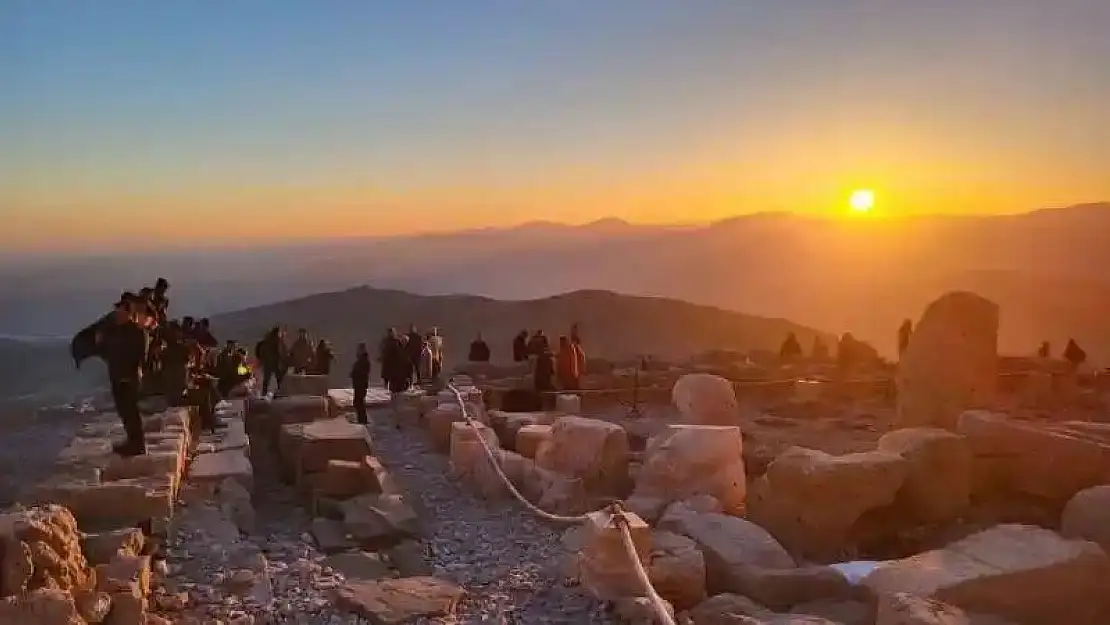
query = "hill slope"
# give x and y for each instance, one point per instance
(613, 325)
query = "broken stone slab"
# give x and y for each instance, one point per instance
(1087, 516)
(378, 521)
(358, 565)
(298, 384)
(210, 469)
(1023, 573)
(733, 548)
(331, 439)
(810, 500)
(951, 362)
(111, 505)
(236, 504)
(1008, 456)
(397, 601)
(152, 463)
(591, 450)
(298, 409)
(233, 436)
(341, 479)
(408, 557)
(568, 403)
(676, 569)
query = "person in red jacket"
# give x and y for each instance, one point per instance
(567, 365)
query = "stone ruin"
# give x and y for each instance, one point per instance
(983, 519)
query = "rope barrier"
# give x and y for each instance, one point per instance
(617, 511)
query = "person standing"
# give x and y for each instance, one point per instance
(520, 346)
(300, 355)
(125, 346)
(396, 366)
(543, 375)
(479, 350)
(273, 356)
(360, 380)
(567, 364)
(414, 347)
(323, 359)
(435, 342)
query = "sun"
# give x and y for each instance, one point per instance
(862, 200)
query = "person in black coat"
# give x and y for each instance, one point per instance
(479, 351)
(360, 380)
(520, 346)
(396, 366)
(123, 345)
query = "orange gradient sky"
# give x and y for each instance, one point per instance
(193, 121)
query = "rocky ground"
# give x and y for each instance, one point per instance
(503, 557)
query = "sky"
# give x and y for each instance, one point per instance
(258, 120)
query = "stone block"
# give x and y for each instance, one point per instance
(1026, 574)
(684, 461)
(464, 455)
(530, 437)
(40, 546)
(951, 362)
(331, 439)
(568, 403)
(103, 547)
(331, 536)
(1009, 456)
(810, 500)
(214, 468)
(905, 609)
(121, 503)
(375, 476)
(603, 560)
(676, 569)
(378, 521)
(591, 450)
(299, 409)
(397, 601)
(296, 384)
(45, 606)
(341, 479)
(938, 473)
(1087, 516)
(439, 423)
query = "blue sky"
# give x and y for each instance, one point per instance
(496, 110)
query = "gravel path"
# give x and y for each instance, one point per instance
(502, 555)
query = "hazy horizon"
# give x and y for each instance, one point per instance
(260, 122)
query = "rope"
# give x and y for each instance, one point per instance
(657, 602)
(618, 515)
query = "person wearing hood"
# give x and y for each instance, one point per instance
(360, 380)
(300, 354)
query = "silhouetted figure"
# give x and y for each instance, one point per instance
(791, 350)
(544, 373)
(905, 331)
(520, 346)
(538, 344)
(189, 328)
(124, 346)
(301, 353)
(204, 335)
(324, 357)
(175, 365)
(579, 350)
(820, 351)
(1074, 354)
(1045, 350)
(575, 334)
(233, 373)
(567, 365)
(396, 366)
(479, 350)
(426, 364)
(273, 356)
(360, 380)
(415, 347)
(159, 299)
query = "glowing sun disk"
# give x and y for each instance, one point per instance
(862, 200)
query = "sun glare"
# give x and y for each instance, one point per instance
(862, 200)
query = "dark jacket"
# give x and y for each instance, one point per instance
(479, 352)
(396, 364)
(538, 344)
(271, 352)
(84, 344)
(545, 372)
(124, 348)
(360, 372)
(520, 348)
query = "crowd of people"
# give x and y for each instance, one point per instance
(561, 370)
(149, 353)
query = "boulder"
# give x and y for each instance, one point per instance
(904, 609)
(297, 384)
(938, 472)
(951, 362)
(734, 549)
(358, 565)
(688, 460)
(810, 500)
(676, 569)
(377, 521)
(397, 601)
(591, 450)
(705, 399)
(1013, 457)
(1027, 574)
(1087, 516)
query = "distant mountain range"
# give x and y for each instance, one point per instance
(614, 326)
(1046, 269)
